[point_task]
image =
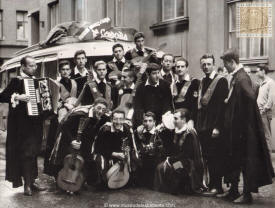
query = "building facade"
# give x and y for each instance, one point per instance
(14, 27)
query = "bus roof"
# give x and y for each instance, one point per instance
(94, 48)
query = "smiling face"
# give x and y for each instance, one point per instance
(118, 120)
(207, 65)
(30, 67)
(118, 53)
(100, 109)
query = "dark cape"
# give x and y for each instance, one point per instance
(247, 147)
(67, 132)
(191, 176)
(24, 134)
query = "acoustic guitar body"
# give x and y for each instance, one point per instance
(118, 176)
(71, 178)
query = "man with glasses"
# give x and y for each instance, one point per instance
(96, 115)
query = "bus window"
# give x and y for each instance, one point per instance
(38, 73)
(12, 73)
(51, 69)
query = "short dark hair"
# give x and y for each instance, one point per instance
(263, 67)
(167, 54)
(131, 73)
(79, 52)
(152, 67)
(231, 54)
(118, 111)
(101, 100)
(183, 59)
(118, 45)
(207, 56)
(138, 35)
(23, 61)
(149, 114)
(63, 63)
(184, 113)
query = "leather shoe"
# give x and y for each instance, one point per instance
(27, 190)
(231, 196)
(38, 187)
(210, 193)
(244, 199)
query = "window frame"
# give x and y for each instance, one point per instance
(25, 25)
(175, 11)
(250, 43)
(54, 5)
(1, 25)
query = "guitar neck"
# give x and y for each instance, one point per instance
(81, 126)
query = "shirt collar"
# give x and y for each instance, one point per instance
(265, 80)
(148, 83)
(239, 66)
(143, 49)
(24, 75)
(152, 131)
(123, 60)
(163, 73)
(212, 75)
(113, 128)
(186, 78)
(91, 113)
(84, 72)
(131, 87)
(98, 80)
(178, 131)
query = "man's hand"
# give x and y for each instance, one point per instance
(215, 133)
(143, 67)
(190, 125)
(118, 155)
(76, 145)
(23, 98)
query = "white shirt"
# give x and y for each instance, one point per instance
(178, 131)
(266, 96)
(148, 83)
(123, 60)
(83, 73)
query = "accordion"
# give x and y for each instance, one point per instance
(43, 94)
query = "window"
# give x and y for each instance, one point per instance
(172, 9)
(21, 25)
(80, 10)
(249, 48)
(54, 14)
(1, 25)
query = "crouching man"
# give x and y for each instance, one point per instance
(150, 150)
(112, 151)
(182, 170)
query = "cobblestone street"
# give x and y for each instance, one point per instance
(14, 198)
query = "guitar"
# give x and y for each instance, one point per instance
(118, 175)
(71, 177)
(143, 59)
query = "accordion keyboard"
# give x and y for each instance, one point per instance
(32, 105)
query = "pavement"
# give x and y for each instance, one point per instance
(128, 197)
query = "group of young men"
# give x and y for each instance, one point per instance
(217, 128)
